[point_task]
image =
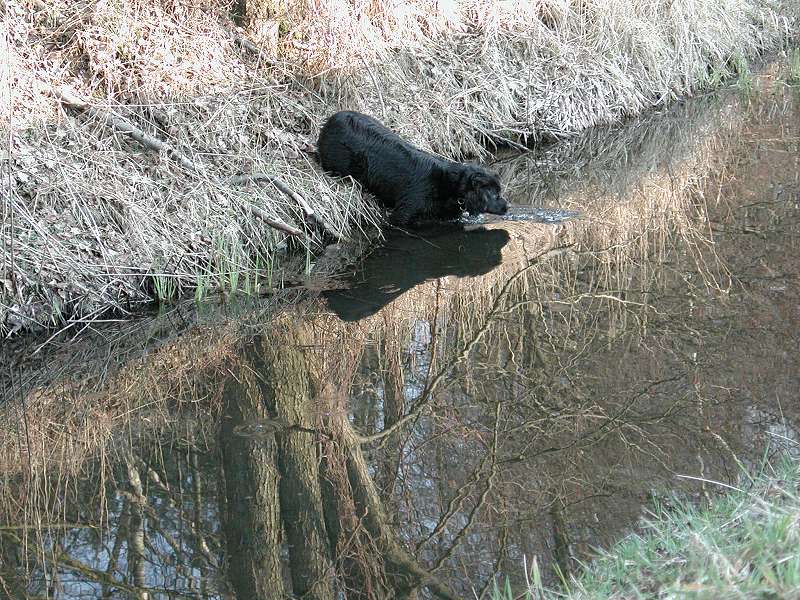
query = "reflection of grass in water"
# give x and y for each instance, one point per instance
(614, 158)
(641, 190)
(62, 439)
(742, 545)
(636, 185)
(644, 186)
(82, 407)
(794, 68)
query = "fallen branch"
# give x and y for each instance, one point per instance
(310, 216)
(275, 224)
(122, 125)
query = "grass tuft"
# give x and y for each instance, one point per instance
(744, 76)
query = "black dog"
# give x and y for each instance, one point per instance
(414, 183)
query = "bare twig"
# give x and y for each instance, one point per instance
(427, 393)
(459, 537)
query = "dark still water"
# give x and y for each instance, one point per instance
(477, 399)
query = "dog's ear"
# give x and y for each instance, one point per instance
(480, 178)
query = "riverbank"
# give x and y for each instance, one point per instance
(736, 542)
(95, 221)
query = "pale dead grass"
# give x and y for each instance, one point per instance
(506, 71)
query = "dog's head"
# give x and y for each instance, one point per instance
(479, 191)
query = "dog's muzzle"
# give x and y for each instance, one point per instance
(499, 206)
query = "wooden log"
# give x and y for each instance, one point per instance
(122, 125)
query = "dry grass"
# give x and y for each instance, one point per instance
(498, 72)
(93, 222)
(102, 224)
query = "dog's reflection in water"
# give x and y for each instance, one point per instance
(406, 260)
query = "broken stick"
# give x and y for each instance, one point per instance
(274, 223)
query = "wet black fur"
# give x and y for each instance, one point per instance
(414, 183)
